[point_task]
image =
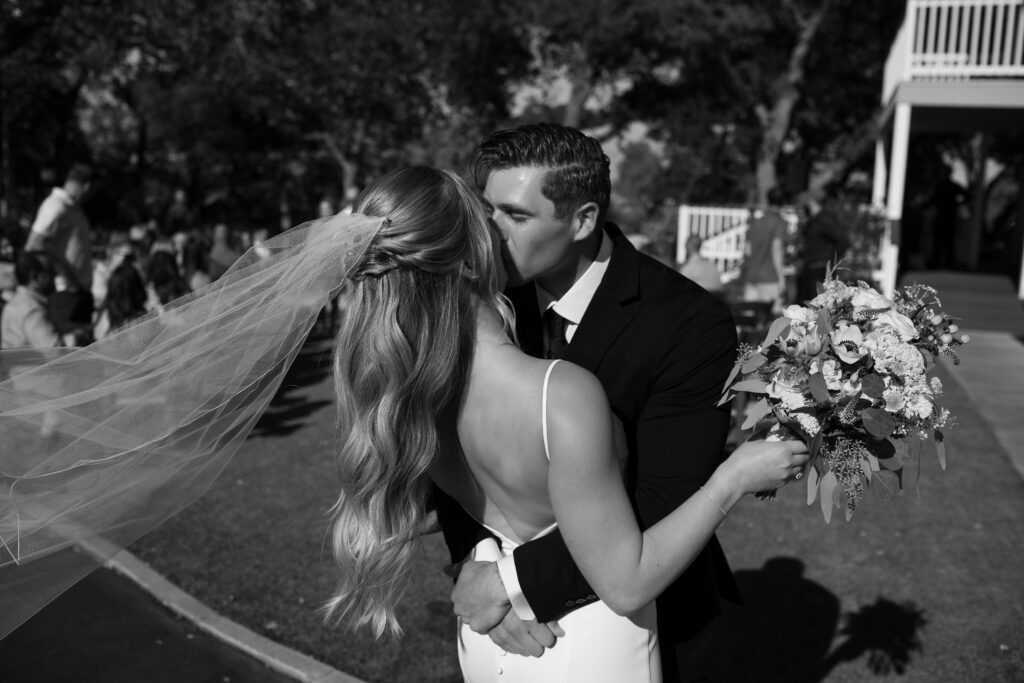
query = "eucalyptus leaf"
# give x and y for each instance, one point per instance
(732, 374)
(878, 423)
(754, 362)
(940, 448)
(865, 467)
(828, 488)
(754, 386)
(873, 385)
(819, 390)
(755, 413)
(886, 484)
(777, 328)
(886, 448)
(812, 484)
(814, 447)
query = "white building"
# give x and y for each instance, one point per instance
(956, 66)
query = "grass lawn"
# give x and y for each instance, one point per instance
(921, 588)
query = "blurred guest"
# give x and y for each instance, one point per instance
(141, 237)
(762, 270)
(25, 321)
(195, 267)
(824, 241)
(117, 250)
(126, 300)
(179, 216)
(62, 230)
(349, 200)
(701, 270)
(948, 199)
(222, 254)
(325, 208)
(164, 279)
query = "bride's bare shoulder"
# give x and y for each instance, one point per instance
(575, 391)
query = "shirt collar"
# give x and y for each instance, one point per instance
(574, 302)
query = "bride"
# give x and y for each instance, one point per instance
(432, 387)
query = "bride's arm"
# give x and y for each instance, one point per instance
(626, 567)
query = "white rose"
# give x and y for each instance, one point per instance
(869, 299)
(799, 314)
(898, 322)
(920, 407)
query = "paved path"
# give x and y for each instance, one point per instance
(992, 374)
(106, 628)
(992, 371)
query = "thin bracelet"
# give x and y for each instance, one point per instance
(712, 499)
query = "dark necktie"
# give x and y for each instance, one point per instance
(554, 334)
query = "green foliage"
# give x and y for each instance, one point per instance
(255, 106)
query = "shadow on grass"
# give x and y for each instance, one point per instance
(888, 632)
(785, 630)
(291, 404)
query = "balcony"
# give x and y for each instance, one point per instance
(956, 40)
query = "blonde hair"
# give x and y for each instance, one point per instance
(400, 365)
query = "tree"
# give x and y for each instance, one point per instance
(757, 68)
(255, 104)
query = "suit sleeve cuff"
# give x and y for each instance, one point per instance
(509, 577)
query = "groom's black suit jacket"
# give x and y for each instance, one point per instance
(662, 348)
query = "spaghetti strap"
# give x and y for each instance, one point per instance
(544, 409)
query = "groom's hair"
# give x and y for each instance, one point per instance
(577, 168)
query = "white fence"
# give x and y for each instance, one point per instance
(724, 231)
(957, 39)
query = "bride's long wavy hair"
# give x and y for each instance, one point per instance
(401, 362)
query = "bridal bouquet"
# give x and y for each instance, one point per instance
(849, 373)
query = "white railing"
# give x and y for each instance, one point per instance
(723, 230)
(956, 39)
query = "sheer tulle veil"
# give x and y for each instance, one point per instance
(99, 445)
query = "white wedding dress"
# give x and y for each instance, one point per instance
(599, 646)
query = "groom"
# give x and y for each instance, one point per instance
(662, 348)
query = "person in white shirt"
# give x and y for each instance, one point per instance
(61, 230)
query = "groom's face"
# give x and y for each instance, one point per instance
(536, 244)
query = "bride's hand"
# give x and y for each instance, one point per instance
(763, 465)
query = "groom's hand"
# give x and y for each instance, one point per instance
(479, 598)
(524, 637)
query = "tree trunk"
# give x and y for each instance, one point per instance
(349, 167)
(775, 121)
(851, 149)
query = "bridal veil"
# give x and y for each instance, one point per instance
(99, 445)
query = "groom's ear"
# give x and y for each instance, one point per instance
(584, 221)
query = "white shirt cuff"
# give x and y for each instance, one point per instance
(509, 577)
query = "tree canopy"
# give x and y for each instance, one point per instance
(261, 108)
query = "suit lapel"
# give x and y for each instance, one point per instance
(608, 313)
